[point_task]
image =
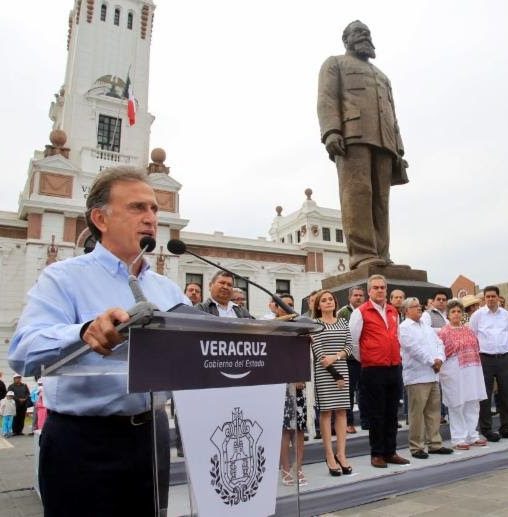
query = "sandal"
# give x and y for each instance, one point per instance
(302, 481)
(287, 478)
(479, 443)
(461, 446)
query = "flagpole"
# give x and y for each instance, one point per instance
(118, 113)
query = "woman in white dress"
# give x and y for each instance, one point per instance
(461, 378)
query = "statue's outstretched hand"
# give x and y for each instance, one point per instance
(335, 145)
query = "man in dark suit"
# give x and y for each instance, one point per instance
(360, 131)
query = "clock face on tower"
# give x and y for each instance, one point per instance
(109, 85)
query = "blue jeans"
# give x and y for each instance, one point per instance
(7, 424)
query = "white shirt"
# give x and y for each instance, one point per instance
(356, 326)
(225, 312)
(491, 329)
(420, 346)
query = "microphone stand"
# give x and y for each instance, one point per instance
(275, 298)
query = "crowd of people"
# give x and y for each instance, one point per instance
(462, 347)
(437, 357)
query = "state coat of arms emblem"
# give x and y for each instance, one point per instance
(239, 465)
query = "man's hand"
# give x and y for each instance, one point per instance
(101, 334)
(335, 145)
(437, 365)
(341, 383)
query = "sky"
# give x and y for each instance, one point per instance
(233, 88)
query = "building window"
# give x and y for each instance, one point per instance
(194, 278)
(339, 235)
(104, 11)
(130, 18)
(298, 236)
(326, 234)
(290, 238)
(282, 286)
(108, 133)
(117, 16)
(244, 286)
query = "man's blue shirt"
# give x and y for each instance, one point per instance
(67, 295)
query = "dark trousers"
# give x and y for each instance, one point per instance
(494, 367)
(19, 420)
(100, 466)
(354, 369)
(381, 389)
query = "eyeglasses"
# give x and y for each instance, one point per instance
(415, 307)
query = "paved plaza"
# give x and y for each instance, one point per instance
(485, 494)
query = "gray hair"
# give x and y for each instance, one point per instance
(100, 191)
(238, 290)
(452, 304)
(356, 288)
(374, 277)
(409, 301)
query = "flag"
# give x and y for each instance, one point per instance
(131, 102)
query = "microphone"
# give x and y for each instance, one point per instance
(147, 243)
(178, 247)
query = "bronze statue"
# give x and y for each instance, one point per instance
(360, 131)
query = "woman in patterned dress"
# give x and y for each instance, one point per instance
(330, 348)
(461, 376)
(295, 419)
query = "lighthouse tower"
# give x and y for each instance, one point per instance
(108, 60)
(94, 127)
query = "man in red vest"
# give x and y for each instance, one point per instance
(374, 328)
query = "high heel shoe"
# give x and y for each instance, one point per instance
(345, 470)
(333, 472)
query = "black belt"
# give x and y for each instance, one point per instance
(139, 419)
(494, 355)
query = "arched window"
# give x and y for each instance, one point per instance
(116, 21)
(104, 12)
(130, 18)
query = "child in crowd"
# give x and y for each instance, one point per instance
(8, 411)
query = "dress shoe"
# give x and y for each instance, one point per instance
(396, 460)
(336, 471)
(345, 470)
(365, 427)
(317, 436)
(350, 429)
(421, 455)
(441, 450)
(371, 261)
(378, 462)
(504, 434)
(491, 436)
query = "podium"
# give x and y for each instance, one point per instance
(228, 378)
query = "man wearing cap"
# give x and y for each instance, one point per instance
(21, 396)
(95, 451)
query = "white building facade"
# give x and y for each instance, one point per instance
(108, 47)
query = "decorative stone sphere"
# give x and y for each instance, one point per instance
(278, 209)
(158, 155)
(308, 192)
(58, 137)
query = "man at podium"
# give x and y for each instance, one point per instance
(96, 447)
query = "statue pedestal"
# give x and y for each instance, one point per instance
(412, 281)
